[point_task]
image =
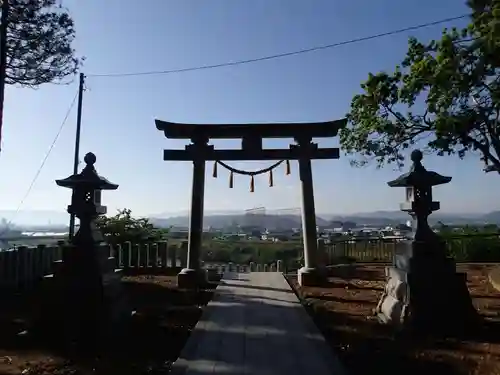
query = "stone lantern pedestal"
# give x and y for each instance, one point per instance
(84, 299)
(423, 290)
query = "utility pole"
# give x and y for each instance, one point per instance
(3, 58)
(77, 145)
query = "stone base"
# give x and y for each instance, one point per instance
(311, 276)
(393, 307)
(116, 303)
(83, 300)
(190, 278)
(428, 294)
(444, 305)
(86, 316)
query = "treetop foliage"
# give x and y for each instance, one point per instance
(444, 94)
(124, 227)
(40, 34)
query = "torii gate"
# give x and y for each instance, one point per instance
(199, 151)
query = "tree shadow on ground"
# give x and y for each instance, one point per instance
(234, 276)
(340, 299)
(147, 343)
(474, 295)
(258, 287)
(363, 346)
(166, 316)
(338, 283)
(366, 346)
(352, 271)
(255, 332)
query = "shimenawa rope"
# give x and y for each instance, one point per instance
(233, 171)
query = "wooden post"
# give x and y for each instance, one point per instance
(173, 256)
(127, 254)
(154, 256)
(163, 250)
(76, 158)
(279, 266)
(135, 256)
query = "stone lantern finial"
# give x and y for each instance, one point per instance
(416, 156)
(90, 159)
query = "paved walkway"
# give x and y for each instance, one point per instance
(256, 325)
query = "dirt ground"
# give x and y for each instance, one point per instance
(344, 311)
(157, 333)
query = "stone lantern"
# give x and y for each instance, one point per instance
(423, 288)
(84, 290)
(86, 199)
(418, 183)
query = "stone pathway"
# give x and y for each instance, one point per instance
(255, 324)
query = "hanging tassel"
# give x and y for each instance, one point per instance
(287, 167)
(214, 174)
(231, 180)
(252, 185)
(271, 180)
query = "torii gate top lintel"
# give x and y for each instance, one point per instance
(251, 136)
(325, 129)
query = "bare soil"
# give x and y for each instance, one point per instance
(344, 311)
(164, 319)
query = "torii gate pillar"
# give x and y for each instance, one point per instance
(193, 275)
(309, 274)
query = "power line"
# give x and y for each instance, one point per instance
(286, 54)
(37, 174)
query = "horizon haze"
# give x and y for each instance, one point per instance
(58, 218)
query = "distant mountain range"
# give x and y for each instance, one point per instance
(272, 219)
(377, 218)
(221, 221)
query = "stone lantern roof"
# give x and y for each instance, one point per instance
(418, 176)
(87, 178)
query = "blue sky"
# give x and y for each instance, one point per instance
(118, 115)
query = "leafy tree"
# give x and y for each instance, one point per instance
(39, 38)
(445, 94)
(491, 228)
(123, 227)
(443, 228)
